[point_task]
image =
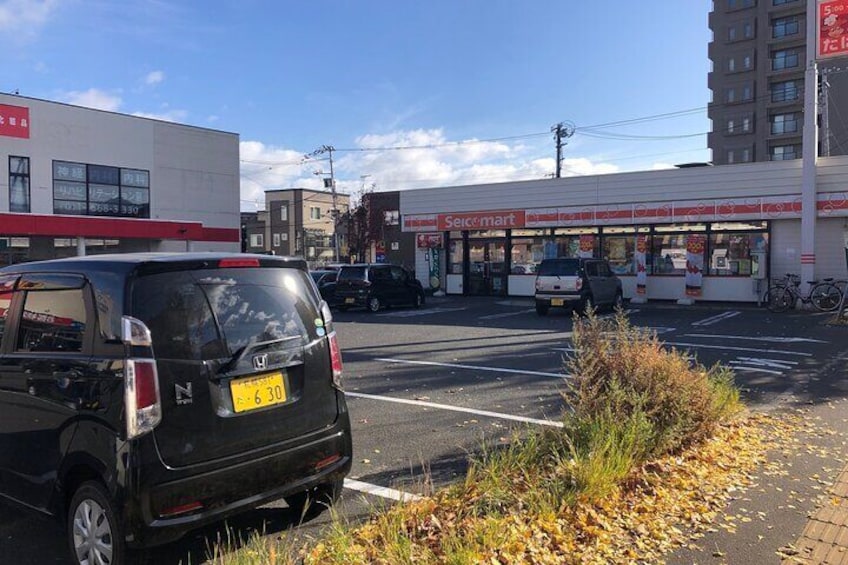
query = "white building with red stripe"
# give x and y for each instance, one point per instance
(742, 221)
(76, 180)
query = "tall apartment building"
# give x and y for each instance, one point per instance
(758, 54)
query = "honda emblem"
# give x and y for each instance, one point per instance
(260, 362)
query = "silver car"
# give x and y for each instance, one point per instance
(576, 283)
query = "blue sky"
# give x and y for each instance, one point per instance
(474, 86)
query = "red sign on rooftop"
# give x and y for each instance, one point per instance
(14, 121)
(832, 29)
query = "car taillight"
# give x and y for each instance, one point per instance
(335, 360)
(142, 401)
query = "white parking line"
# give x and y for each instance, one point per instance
(717, 318)
(506, 314)
(385, 492)
(448, 407)
(730, 348)
(773, 363)
(772, 339)
(422, 312)
(754, 369)
(476, 368)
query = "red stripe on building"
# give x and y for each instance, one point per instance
(26, 225)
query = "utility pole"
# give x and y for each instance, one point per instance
(328, 149)
(561, 132)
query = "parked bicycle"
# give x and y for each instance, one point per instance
(824, 295)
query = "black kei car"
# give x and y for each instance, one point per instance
(144, 395)
(373, 286)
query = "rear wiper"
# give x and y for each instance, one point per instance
(242, 351)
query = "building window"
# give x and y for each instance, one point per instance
(731, 64)
(746, 125)
(257, 240)
(748, 29)
(784, 123)
(19, 194)
(784, 27)
(747, 93)
(731, 126)
(784, 59)
(98, 190)
(730, 95)
(284, 237)
(730, 253)
(740, 4)
(785, 91)
(748, 62)
(276, 240)
(781, 2)
(784, 152)
(731, 33)
(314, 213)
(391, 217)
(284, 213)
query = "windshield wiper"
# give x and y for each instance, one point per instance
(242, 351)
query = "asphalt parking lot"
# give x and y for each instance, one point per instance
(426, 387)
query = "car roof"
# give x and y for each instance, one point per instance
(127, 262)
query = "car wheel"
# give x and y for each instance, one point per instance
(94, 533)
(542, 308)
(311, 503)
(374, 304)
(586, 304)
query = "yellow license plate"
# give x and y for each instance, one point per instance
(257, 392)
(350, 300)
(557, 302)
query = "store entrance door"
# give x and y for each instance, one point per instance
(486, 268)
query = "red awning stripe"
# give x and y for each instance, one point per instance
(25, 225)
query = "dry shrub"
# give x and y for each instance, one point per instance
(622, 371)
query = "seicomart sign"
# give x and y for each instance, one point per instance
(832, 29)
(501, 220)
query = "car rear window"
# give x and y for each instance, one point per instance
(212, 314)
(558, 267)
(352, 274)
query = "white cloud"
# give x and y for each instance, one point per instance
(430, 161)
(154, 77)
(93, 98)
(661, 166)
(167, 116)
(24, 15)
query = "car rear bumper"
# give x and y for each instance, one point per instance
(321, 458)
(558, 299)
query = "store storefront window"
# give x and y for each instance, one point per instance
(669, 254)
(730, 253)
(576, 242)
(528, 250)
(618, 246)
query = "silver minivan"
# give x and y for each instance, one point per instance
(576, 283)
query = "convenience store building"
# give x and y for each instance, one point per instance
(736, 225)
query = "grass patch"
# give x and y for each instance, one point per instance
(648, 444)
